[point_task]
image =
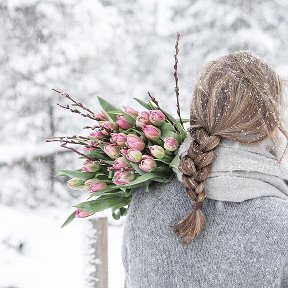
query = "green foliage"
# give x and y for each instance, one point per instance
(75, 173)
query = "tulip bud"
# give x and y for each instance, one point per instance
(119, 138)
(131, 111)
(123, 177)
(108, 127)
(97, 134)
(75, 184)
(142, 118)
(147, 164)
(134, 155)
(157, 151)
(147, 157)
(88, 148)
(120, 163)
(91, 166)
(157, 117)
(123, 151)
(170, 143)
(123, 123)
(135, 142)
(151, 132)
(101, 116)
(95, 185)
(81, 213)
(111, 150)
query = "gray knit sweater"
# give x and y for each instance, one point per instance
(244, 243)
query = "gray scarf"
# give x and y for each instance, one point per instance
(245, 171)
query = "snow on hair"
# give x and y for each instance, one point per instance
(238, 97)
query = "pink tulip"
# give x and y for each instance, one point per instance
(134, 155)
(123, 123)
(95, 185)
(81, 213)
(97, 134)
(147, 157)
(91, 166)
(135, 142)
(111, 150)
(157, 117)
(88, 148)
(142, 118)
(119, 138)
(157, 151)
(151, 132)
(123, 151)
(123, 177)
(131, 111)
(108, 127)
(170, 143)
(101, 116)
(147, 164)
(120, 163)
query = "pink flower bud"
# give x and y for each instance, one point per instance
(147, 164)
(120, 163)
(151, 132)
(131, 111)
(123, 151)
(119, 138)
(123, 122)
(81, 213)
(111, 150)
(95, 185)
(147, 157)
(157, 117)
(108, 127)
(123, 177)
(142, 118)
(88, 148)
(157, 151)
(135, 142)
(75, 184)
(97, 134)
(101, 116)
(170, 143)
(91, 166)
(134, 155)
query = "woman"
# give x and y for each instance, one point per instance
(231, 170)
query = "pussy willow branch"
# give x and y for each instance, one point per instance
(101, 162)
(76, 151)
(90, 114)
(153, 99)
(76, 111)
(68, 139)
(176, 77)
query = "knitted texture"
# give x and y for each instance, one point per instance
(244, 244)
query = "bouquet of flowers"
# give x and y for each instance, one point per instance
(126, 149)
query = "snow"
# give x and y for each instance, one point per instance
(50, 256)
(117, 50)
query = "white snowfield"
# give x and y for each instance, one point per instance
(35, 252)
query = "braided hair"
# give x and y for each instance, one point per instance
(196, 166)
(237, 97)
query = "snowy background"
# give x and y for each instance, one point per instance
(114, 49)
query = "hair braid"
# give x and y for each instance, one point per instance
(196, 166)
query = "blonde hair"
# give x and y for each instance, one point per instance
(237, 97)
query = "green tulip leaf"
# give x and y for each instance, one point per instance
(75, 174)
(69, 219)
(142, 103)
(107, 107)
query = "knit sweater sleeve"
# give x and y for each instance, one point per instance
(284, 280)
